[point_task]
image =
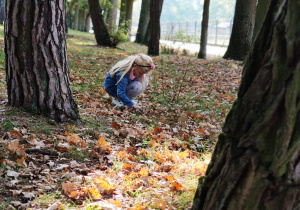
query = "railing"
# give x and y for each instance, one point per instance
(219, 31)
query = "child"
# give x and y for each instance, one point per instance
(127, 79)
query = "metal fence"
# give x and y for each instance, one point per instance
(219, 31)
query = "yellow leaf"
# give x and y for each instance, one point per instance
(104, 186)
(184, 154)
(144, 172)
(93, 192)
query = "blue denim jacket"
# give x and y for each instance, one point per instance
(119, 90)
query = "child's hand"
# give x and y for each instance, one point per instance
(136, 107)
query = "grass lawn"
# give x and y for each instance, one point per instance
(117, 157)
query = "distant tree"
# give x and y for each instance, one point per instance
(112, 14)
(129, 8)
(100, 29)
(73, 2)
(261, 11)
(1, 12)
(144, 21)
(204, 27)
(242, 30)
(76, 21)
(122, 18)
(155, 12)
(36, 64)
(256, 162)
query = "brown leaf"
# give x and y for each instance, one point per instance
(132, 150)
(16, 134)
(116, 126)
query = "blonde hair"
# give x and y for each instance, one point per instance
(126, 65)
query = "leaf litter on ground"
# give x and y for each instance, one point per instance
(118, 158)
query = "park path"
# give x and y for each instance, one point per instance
(211, 51)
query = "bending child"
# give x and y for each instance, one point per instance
(127, 79)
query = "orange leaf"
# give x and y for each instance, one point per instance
(138, 207)
(143, 152)
(127, 167)
(152, 143)
(200, 130)
(101, 142)
(21, 161)
(157, 130)
(160, 204)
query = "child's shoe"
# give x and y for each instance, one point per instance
(117, 102)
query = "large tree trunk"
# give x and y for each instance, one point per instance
(147, 35)
(261, 11)
(204, 27)
(37, 72)
(155, 11)
(144, 21)
(112, 14)
(256, 162)
(100, 30)
(242, 30)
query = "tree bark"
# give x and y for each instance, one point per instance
(155, 12)
(261, 11)
(256, 162)
(37, 73)
(143, 21)
(242, 30)
(204, 27)
(112, 14)
(100, 30)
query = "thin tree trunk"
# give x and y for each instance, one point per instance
(242, 30)
(155, 12)
(1, 15)
(256, 162)
(261, 11)
(203, 41)
(112, 14)
(37, 71)
(71, 7)
(76, 18)
(88, 22)
(144, 21)
(100, 30)
(129, 7)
